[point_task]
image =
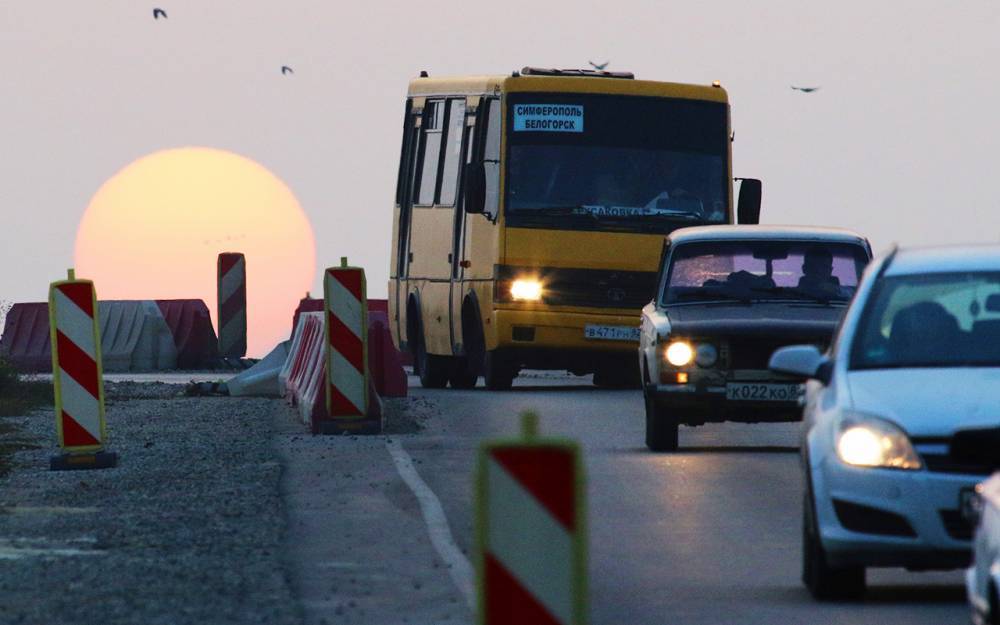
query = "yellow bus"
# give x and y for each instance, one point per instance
(531, 211)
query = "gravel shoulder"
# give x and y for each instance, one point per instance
(189, 528)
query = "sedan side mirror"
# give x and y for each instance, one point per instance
(748, 204)
(475, 188)
(804, 361)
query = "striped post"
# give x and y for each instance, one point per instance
(531, 531)
(232, 303)
(77, 377)
(347, 383)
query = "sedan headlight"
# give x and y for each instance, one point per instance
(679, 353)
(706, 355)
(865, 441)
(526, 290)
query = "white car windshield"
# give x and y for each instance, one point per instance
(932, 320)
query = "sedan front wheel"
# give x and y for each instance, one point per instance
(661, 427)
(824, 581)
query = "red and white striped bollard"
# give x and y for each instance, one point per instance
(531, 531)
(77, 377)
(232, 304)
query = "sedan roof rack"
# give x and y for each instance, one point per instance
(585, 73)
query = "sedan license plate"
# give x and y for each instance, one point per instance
(610, 333)
(763, 392)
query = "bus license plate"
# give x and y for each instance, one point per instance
(610, 333)
(763, 392)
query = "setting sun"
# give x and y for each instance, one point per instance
(155, 228)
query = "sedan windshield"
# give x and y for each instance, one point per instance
(753, 271)
(933, 320)
(589, 162)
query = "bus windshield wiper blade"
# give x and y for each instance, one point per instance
(678, 215)
(557, 210)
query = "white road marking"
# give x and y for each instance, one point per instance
(19, 549)
(437, 524)
(46, 510)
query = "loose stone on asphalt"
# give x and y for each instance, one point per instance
(188, 529)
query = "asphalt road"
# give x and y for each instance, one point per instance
(707, 535)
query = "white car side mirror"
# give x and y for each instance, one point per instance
(803, 361)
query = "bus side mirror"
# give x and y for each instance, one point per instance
(475, 188)
(748, 206)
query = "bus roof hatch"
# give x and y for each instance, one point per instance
(585, 73)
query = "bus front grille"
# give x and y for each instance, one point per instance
(598, 288)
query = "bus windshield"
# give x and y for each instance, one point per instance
(598, 162)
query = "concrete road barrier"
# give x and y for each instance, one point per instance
(305, 369)
(135, 337)
(261, 380)
(384, 360)
(378, 309)
(25, 342)
(531, 531)
(294, 349)
(302, 378)
(191, 326)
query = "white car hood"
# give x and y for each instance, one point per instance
(929, 402)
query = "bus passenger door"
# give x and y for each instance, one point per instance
(435, 192)
(404, 216)
(457, 255)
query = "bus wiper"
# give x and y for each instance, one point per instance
(685, 216)
(577, 209)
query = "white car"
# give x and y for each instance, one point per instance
(982, 579)
(895, 415)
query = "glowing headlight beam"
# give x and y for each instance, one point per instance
(876, 443)
(526, 290)
(861, 447)
(680, 353)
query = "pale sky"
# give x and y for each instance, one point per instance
(900, 143)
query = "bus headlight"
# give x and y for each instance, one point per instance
(679, 353)
(526, 290)
(866, 441)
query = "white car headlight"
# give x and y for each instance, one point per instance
(865, 441)
(679, 353)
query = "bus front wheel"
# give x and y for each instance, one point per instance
(498, 371)
(433, 370)
(462, 374)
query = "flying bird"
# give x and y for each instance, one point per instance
(599, 66)
(285, 70)
(805, 89)
(158, 13)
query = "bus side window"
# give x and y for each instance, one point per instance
(491, 158)
(492, 151)
(430, 152)
(405, 150)
(452, 152)
(404, 192)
